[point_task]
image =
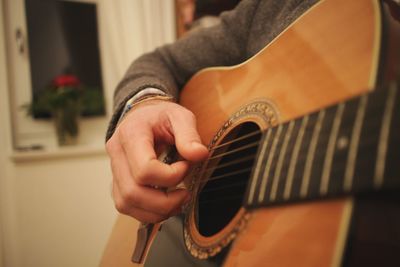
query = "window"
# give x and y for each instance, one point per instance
(47, 38)
(63, 40)
(125, 30)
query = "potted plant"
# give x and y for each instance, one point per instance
(62, 100)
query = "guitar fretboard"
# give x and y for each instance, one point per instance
(349, 148)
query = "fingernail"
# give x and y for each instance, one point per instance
(197, 145)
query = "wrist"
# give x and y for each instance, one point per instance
(147, 98)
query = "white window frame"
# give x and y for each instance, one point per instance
(127, 28)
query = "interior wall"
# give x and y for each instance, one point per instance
(65, 211)
(9, 244)
(56, 209)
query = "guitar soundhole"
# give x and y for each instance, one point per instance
(227, 175)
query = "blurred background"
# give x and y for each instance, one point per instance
(59, 64)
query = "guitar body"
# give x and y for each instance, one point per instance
(331, 53)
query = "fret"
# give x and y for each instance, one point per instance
(341, 148)
(393, 152)
(354, 142)
(300, 165)
(275, 158)
(321, 149)
(268, 165)
(282, 154)
(350, 148)
(310, 154)
(282, 181)
(384, 136)
(326, 170)
(294, 157)
(258, 166)
(367, 151)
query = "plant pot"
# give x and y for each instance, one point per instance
(66, 122)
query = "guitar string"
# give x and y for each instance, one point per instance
(228, 164)
(234, 150)
(218, 177)
(219, 155)
(215, 156)
(251, 134)
(243, 182)
(339, 168)
(236, 139)
(231, 174)
(224, 187)
(208, 170)
(219, 199)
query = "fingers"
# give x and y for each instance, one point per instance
(157, 206)
(145, 167)
(187, 139)
(170, 205)
(140, 201)
(133, 151)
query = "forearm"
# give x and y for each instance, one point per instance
(168, 68)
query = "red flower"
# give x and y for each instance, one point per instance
(66, 80)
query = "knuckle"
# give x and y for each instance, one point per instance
(170, 173)
(141, 177)
(110, 146)
(124, 136)
(173, 176)
(130, 197)
(113, 164)
(121, 206)
(182, 112)
(189, 115)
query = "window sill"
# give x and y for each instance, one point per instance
(58, 153)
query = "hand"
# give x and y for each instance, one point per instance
(133, 149)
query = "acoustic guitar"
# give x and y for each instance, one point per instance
(304, 158)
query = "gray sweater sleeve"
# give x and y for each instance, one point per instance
(241, 33)
(169, 67)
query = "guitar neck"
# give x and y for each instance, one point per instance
(349, 148)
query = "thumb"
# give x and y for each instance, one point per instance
(187, 139)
